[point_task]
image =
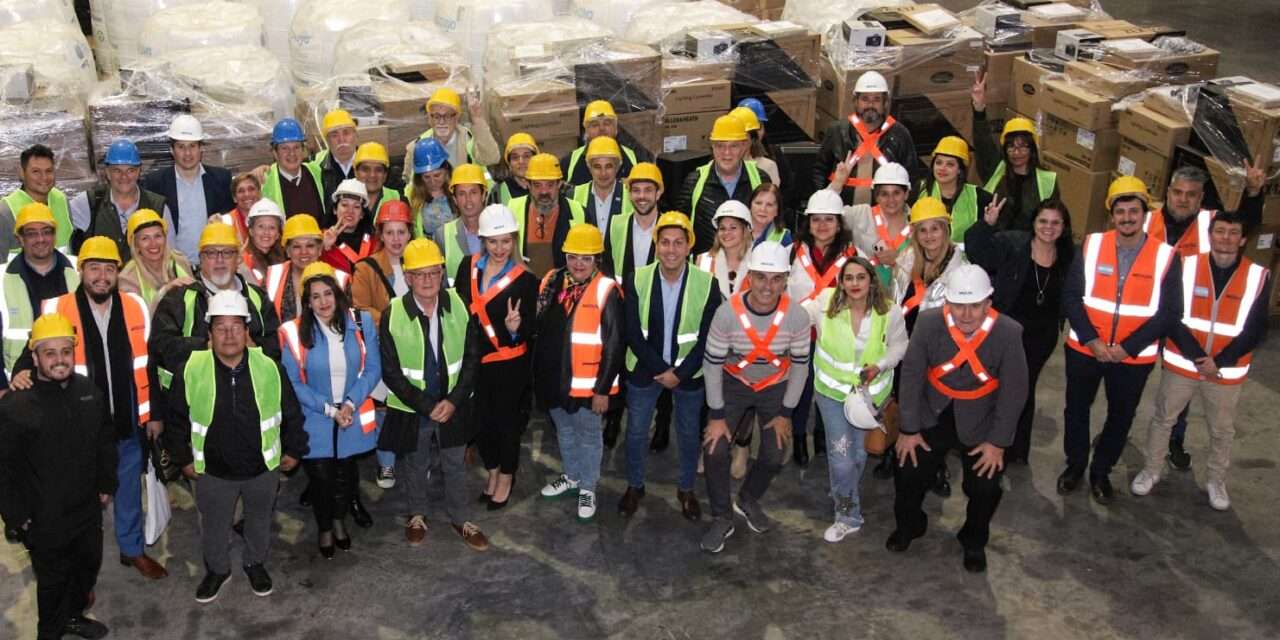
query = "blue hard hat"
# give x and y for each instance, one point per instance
(123, 152)
(287, 130)
(756, 107)
(428, 155)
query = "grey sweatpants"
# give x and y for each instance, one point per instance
(216, 500)
(415, 469)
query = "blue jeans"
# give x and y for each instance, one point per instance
(581, 438)
(385, 458)
(846, 458)
(127, 503)
(641, 402)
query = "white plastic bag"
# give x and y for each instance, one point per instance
(158, 512)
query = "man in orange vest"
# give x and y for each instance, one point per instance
(976, 370)
(760, 338)
(1122, 295)
(1224, 317)
(112, 351)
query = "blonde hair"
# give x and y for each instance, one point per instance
(922, 269)
(747, 239)
(877, 297)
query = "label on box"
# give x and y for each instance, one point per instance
(672, 144)
(1085, 138)
(1126, 167)
(1266, 241)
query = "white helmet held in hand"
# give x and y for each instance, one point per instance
(824, 201)
(892, 173)
(770, 257)
(871, 82)
(968, 284)
(496, 220)
(860, 410)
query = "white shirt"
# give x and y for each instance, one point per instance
(895, 333)
(603, 210)
(398, 284)
(641, 240)
(337, 361)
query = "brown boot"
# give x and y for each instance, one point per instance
(473, 536)
(415, 530)
(150, 569)
(689, 505)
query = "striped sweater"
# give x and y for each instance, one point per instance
(727, 341)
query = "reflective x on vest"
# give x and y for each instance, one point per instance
(759, 346)
(478, 302)
(821, 282)
(967, 353)
(1215, 320)
(367, 417)
(868, 144)
(137, 322)
(366, 249)
(1195, 238)
(882, 229)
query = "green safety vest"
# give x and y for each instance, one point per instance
(18, 314)
(57, 203)
(163, 375)
(576, 157)
(202, 389)
(697, 292)
(1045, 181)
(619, 228)
(504, 193)
(964, 212)
(148, 293)
(450, 244)
(753, 176)
(582, 194)
(411, 345)
(271, 186)
(520, 207)
(837, 368)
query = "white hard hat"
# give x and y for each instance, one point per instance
(860, 410)
(186, 128)
(892, 173)
(227, 303)
(496, 220)
(770, 257)
(969, 283)
(265, 207)
(732, 209)
(351, 187)
(824, 201)
(871, 82)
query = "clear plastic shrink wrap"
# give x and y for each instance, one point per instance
(117, 26)
(318, 24)
(277, 17)
(14, 11)
(468, 22)
(208, 24)
(615, 15)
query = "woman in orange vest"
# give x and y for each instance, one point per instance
(331, 356)
(351, 239)
(263, 248)
(501, 294)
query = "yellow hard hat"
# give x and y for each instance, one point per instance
(598, 109)
(34, 213)
(955, 147)
(583, 239)
(336, 119)
(1127, 186)
(1019, 125)
(420, 254)
(218, 234)
(728, 129)
(315, 270)
(518, 140)
(467, 174)
(645, 171)
(928, 208)
(447, 97)
(140, 218)
(301, 226)
(544, 166)
(371, 152)
(99, 248)
(748, 118)
(603, 147)
(50, 326)
(674, 219)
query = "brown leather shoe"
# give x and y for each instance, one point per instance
(473, 536)
(150, 569)
(630, 501)
(689, 505)
(415, 530)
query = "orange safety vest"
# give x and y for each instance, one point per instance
(478, 303)
(277, 276)
(1115, 315)
(1215, 321)
(586, 338)
(247, 258)
(366, 414)
(967, 353)
(235, 219)
(869, 143)
(366, 249)
(882, 229)
(918, 289)
(137, 321)
(1193, 241)
(821, 282)
(759, 346)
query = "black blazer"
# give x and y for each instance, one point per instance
(217, 190)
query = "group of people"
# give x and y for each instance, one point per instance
(306, 314)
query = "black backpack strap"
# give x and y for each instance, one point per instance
(386, 282)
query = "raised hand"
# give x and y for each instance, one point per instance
(978, 93)
(513, 315)
(991, 215)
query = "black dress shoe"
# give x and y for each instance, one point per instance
(898, 541)
(942, 482)
(359, 515)
(1102, 491)
(494, 505)
(800, 452)
(975, 560)
(661, 438)
(326, 550)
(83, 627)
(1070, 479)
(342, 543)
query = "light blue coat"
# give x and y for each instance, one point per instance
(316, 392)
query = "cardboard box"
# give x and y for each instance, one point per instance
(1104, 79)
(1118, 29)
(1146, 164)
(559, 147)
(1077, 105)
(1270, 209)
(1228, 181)
(695, 97)
(380, 134)
(1093, 150)
(1152, 130)
(1044, 33)
(688, 131)
(682, 70)
(544, 124)
(626, 74)
(999, 73)
(788, 111)
(1261, 129)
(803, 46)
(835, 86)
(929, 19)
(1177, 68)
(936, 65)
(1027, 85)
(1084, 193)
(640, 130)
(517, 96)
(1262, 244)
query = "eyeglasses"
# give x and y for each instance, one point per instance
(36, 234)
(228, 329)
(433, 274)
(1014, 146)
(225, 254)
(442, 117)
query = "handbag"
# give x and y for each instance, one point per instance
(879, 440)
(158, 511)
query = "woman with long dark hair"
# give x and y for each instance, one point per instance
(1028, 270)
(948, 182)
(1012, 169)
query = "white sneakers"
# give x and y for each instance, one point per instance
(559, 487)
(586, 505)
(1218, 498)
(1143, 483)
(837, 532)
(386, 477)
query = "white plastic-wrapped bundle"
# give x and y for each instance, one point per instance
(15, 11)
(277, 16)
(659, 25)
(124, 20)
(318, 24)
(614, 14)
(544, 39)
(823, 16)
(58, 53)
(376, 43)
(208, 24)
(243, 75)
(422, 9)
(468, 22)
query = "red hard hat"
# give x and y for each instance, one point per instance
(394, 211)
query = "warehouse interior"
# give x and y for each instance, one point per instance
(1160, 566)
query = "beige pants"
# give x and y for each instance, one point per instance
(1219, 401)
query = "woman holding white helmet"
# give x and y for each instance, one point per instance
(861, 338)
(727, 259)
(501, 294)
(262, 248)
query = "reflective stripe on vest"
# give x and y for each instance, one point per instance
(576, 156)
(478, 302)
(366, 412)
(201, 391)
(918, 290)
(366, 250)
(967, 353)
(1194, 240)
(753, 178)
(15, 303)
(411, 345)
(964, 211)
(821, 282)
(61, 214)
(868, 144)
(882, 229)
(619, 236)
(277, 276)
(451, 246)
(693, 300)
(520, 207)
(759, 346)
(1045, 181)
(1215, 320)
(837, 368)
(1116, 314)
(137, 322)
